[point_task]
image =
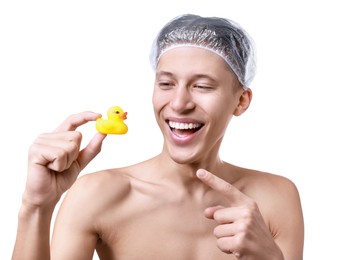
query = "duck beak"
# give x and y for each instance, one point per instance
(124, 116)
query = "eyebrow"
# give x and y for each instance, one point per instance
(197, 76)
(205, 76)
(163, 73)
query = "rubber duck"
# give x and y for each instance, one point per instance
(115, 122)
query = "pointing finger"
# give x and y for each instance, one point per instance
(72, 122)
(218, 184)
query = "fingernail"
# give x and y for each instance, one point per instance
(201, 173)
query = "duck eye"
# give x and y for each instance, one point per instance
(117, 112)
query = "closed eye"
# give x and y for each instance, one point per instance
(165, 85)
(204, 87)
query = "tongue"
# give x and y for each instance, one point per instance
(183, 132)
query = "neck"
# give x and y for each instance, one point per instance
(184, 174)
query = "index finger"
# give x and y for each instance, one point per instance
(220, 185)
(74, 121)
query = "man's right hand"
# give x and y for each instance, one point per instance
(55, 160)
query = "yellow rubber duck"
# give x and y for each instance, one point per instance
(115, 122)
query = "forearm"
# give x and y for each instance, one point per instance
(33, 234)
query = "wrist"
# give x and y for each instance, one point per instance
(32, 207)
(34, 200)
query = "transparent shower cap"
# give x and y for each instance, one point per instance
(219, 35)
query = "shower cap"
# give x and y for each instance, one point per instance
(219, 35)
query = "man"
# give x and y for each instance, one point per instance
(185, 203)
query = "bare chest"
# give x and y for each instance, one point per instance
(161, 233)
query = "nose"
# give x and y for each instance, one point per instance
(182, 100)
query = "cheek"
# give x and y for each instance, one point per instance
(221, 105)
(158, 100)
(155, 100)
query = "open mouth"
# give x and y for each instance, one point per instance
(184, 129)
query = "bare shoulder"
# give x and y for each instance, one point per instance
(92, 196)
(115, 179)
(278, 200)
(102, 187)
(88, 207)
(104, 190)
(264, 185)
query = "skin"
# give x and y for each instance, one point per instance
(185, 203)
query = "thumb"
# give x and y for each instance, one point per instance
(209, 212)
(91, 150)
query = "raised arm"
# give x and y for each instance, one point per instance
(54, 163)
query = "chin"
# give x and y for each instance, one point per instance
(183, 157)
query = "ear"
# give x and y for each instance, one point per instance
(244, 102)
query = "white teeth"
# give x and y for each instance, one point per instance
(177, 125)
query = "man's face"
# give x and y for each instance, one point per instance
(195, 96)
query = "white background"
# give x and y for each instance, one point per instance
(64, 57)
